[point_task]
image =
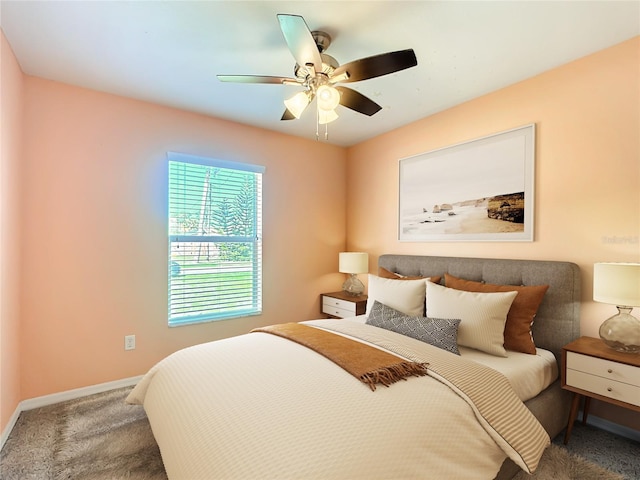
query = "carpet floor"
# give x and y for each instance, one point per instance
(99, 437)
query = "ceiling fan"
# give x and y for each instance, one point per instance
(318, 73)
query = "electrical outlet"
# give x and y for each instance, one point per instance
(129, 342)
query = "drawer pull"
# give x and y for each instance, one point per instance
(609, 371)
(609, 389)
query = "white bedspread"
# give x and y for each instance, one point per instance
(258, 406)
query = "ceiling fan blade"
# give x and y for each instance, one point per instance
(258, 79)
(300, 41)
(356, 101)
(376, 66)
(287, 115)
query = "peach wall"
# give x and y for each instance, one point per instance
(95, 231)
(94, 226)
(11, 96)
(587, 183)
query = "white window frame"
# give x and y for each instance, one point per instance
(215, 287)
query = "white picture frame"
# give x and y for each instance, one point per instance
(475, 191)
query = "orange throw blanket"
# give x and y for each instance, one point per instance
(369, 364)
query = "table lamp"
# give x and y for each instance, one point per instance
(619, 284)
(353, 263)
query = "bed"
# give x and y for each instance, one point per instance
(264, 405)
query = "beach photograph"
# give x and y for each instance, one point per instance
(479, 190)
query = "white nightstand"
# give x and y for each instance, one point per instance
(591, 369)
(342, 305)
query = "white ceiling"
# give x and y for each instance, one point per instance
(169, 52)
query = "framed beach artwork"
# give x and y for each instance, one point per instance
(481, 190)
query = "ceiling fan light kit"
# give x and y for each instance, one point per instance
(298, 103)
(328, 97)
(326, 116)
(318, 73)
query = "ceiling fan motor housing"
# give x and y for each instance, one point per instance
(322, 39)
(329, 64)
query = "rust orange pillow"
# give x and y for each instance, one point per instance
(517, 330)
(384, 273)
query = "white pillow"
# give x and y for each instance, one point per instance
(406, 296)
(483, 315)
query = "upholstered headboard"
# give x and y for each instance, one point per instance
(558, 319)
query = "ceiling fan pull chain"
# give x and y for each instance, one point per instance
(317, 124)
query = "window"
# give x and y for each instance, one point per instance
(215, 239)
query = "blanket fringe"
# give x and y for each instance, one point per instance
(393, 373)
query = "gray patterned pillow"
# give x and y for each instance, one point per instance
(439, 332)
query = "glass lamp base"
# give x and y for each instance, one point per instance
(353, 286)
(622, 331)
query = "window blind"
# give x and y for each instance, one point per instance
(215, 239)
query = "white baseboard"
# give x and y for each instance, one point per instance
(12, 422)
(612, 427)
(54, 398)
(45, 400)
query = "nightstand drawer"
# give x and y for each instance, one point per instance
(606, 369)
(623, 392)
(331, 302)
(337, 307)
(337, 312)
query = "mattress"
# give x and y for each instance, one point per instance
(528, 374)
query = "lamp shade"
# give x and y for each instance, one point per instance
(297, 104)
(353, 262)
(326, 116)
(617, 283)
(328, 97)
